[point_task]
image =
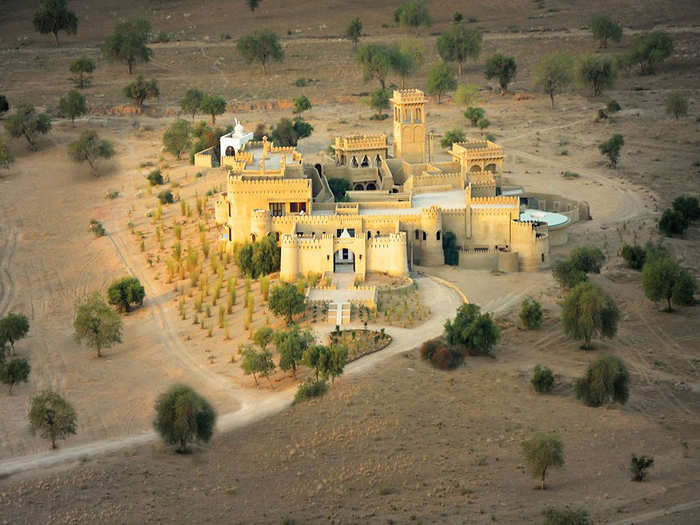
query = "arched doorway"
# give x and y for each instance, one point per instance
(344, 261)
(491, 168)
(365, 162)
(319, 169)
(371, 186)
(230, 152)
(358, 186)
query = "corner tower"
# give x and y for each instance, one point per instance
(409, 125)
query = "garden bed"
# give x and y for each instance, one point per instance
(360, 342)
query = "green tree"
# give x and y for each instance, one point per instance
(413, 14)
(673, 222)
(72, 105)
(27, 123)
(604, 29)
(13, 327)
(501, 67)
(379, 100)
(262, 46)
(141, 89)
(611, 149)
(597, 72)
(403, 64)
(354, 31)
(483, 124)
(605, 379)
(90, 148)
(97, 324)
(553, 73)
(52, 417)
(53, 16)
(213, 105)
(286, 301)
(191, 102)
(124, 292)
(6, 156)
(452, 136)
(288, 133)
(472, 329)
(291, 345)
(467, 95)
(182, 416)
(375, 61)
(82, 66)
(457, 44)
(339, 186)
(257, 363)
(688, 206)
(253, 4)
(441, 79)
(301, 104)
(315, 357)
(449, 248)
(588, 311)
(587, 258)
(337, 359)
(14, 371)
(634, 256)
(530, 313)
(648, 50)
(4, 104)
(663, 279)
(639, 466)
(263, 336)
(176, 138)
(474, 115)
(542, 379)
(127, 44)
(677, 104)
(567, 274)
(542, 452)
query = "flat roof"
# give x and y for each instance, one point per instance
(550, 217)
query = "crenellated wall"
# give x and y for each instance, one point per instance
(387, 253)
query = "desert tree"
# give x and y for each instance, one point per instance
(125, 292)
(6, 156)
(315, 357)
(291, 345)
(141, 89)
(606, 379)
(673, 223)
(566, 516)
(263, 336)
(262, 46)
(501, 67)
(53, 16)
(457, 44)
(604, 29)
(451, 136)
(553, 73)
(213, 105)
(611, 149)
(441, 79)
(379, 101)
(336, 361)
(256, 362)
(286, 301)
(633, 255)
(127, 44)
(530, 313)
(97, 324)
(542, 452)
(52, 417)
(648, 50)
(28, 123)
(288, 133)
(339, 187)
(474, 115)
(677, 104)
(177, 138)
(14, 371)
(588, 311)
(663, 279)
(403, 63)
(596, 72)
(639, 466)
(542, 379)
(82, 67)
(13, 327)
(412, 14)
(354, 31)
(183, 416)
(587, 258)
(688, 206)
(191, 102)
(467, 95)
(375, 62)
(301, 104)
(72, 105)
(90, 148)
(472, 329)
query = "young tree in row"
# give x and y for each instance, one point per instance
(124, 292)
(127, 44)
(553, 73)
(301, 104)
(97, 324)
(141, 89)
(82, 66)
(291, 345)
(441, 80)
(677, 104)
(452, 136)
(604, 29)
(90, 148)
(354, 31)
(176, 138)
(72, 105)
(52, 417)
(611, 149)
(588, 311)
(326, 361)
(648, 50)
(286, 301)
(501, 67)
(53, 16)
(457, 44)
(6, 156)
(375, 61)
(262, 46)
(256, 363)
(213, 105)
(183, 416)
(14, 371)
(472, 329)
(542, 452)
(191, 102)
(605, 379)
(596, 72)
(664, 280)
(27, 123)
(413, 14)
(13, 327)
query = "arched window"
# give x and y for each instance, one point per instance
(425, 236)
(437, 235)
(252, 237)
(418, 116)
(371, 186)
(365, 162)
(230, 152)
(369, 234)
(417, 232)
(378, 234)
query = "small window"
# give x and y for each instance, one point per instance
(293, 207)
(543, 257)
(277, 236)
(328, 257)
(252, 237)
(425, 236)
(369, 235)
(417, 232)
(360, 256)
(437, 235)
(229, 209)
(378, 234)
(277, 209)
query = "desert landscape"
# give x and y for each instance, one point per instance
(394, 440)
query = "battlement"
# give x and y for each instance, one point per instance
(476, 150)
(502, 200)
(408, 96)
(360, 142)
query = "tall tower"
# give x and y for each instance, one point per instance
(409, 125)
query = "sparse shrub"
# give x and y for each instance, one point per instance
(634, 256)
(182, 416)
(531, 313)
(566, 516)
(611, 149)
(587, 311)
(166, 197)
(605, 379)
(155, 178)
(440, 354)
(677, 105)
(97, 228)
(673, 222)
(687, 206)
(542, 379)
(612, 106)
(542, 452)
(639, 466)
(310, 389)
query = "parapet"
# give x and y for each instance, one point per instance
(360, 142)
(408, 96)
